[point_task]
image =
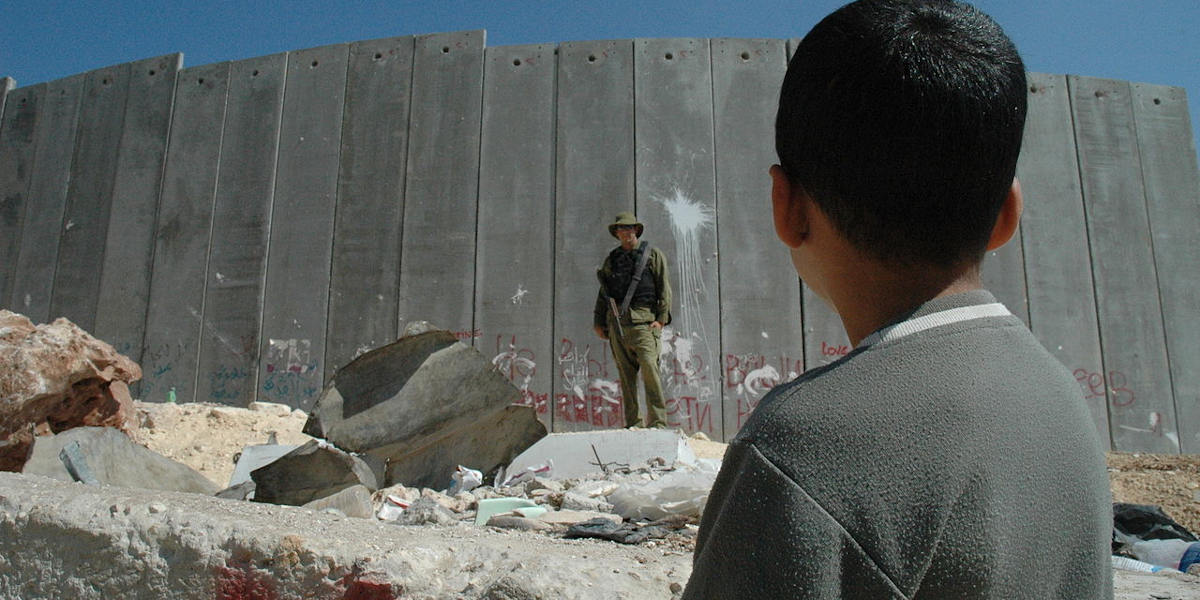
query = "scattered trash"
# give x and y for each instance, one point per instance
(1132, 564)
(465, 480)
(1174, 554)
(393, 507)
(495, 506)
(625, 533)
(680, 492)
(529, 473)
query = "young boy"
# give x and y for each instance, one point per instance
(948, 455)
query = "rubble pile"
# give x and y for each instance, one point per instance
(54, 377)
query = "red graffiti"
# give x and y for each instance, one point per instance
(468, 334)
(688, 412)
(539, 402)
(1095, 384)
(243, 582)
(834, 350)
(738, 366)
(368, 590)
(600, 410)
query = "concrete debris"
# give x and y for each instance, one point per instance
(581, 453)
(54, 377)
(426, 511)
(425, 404)
(519, 523)
(111, 458)
(173, 546)
(256, 456)
(314, 470)
(354, 501)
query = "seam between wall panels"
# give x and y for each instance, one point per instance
(212, 212)
(1070, 83)
(326, 371)
(266, 261)
(712, 102)
(1162, 317)
(483, 69)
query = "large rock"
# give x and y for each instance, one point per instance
(114, 459)
(54, 377)
(310, 472)
(425, 404)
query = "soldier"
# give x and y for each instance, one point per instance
(632, 307)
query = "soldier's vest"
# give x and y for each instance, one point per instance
(622, 263)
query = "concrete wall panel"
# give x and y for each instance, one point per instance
(593, 182)
(514, 277)
(237, 257)
(18, 127)
(89, 197)
(364, 282)
(437, 277)
(296, 299)
(125, 278)
(33, 268)
(762, 340)
(676, 199)
(1062, 300)
(1141, 410)
(185, 213)
(1168, 154)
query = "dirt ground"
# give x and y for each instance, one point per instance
(208, 438)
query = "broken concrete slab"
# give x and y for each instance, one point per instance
(312, 471)
(113, 459)
(257, 456)
(426, 404)
(573, 456)
(354, 501)
(54, 377)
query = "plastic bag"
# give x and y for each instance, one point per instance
(680, 492)
(465, 480)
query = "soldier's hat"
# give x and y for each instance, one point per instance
(625, 218)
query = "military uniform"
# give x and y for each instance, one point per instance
(636, 345)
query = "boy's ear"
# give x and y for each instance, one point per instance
(788, 208)
(1009, 217)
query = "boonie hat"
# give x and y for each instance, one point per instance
(625, 218)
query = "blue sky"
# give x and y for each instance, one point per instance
(1151, 41)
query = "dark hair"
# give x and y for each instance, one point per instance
(903, 120)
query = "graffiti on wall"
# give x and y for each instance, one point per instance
(518, 364)
(591, 395)
(690, 382)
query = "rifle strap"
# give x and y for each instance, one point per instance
(637, 276)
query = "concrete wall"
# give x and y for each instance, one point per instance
(243, 229)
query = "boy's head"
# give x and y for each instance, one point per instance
(902, 120)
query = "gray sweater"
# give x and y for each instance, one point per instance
(958, 461)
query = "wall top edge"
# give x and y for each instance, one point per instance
(8, 84)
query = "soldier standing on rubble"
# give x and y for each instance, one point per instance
(632, 307)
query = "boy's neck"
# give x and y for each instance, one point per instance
(869, 295)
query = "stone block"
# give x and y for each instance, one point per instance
(425, 404)
(114, 459)
(314, 470)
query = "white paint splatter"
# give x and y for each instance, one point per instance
(759, 381)
(517, 297)
(691, 347)
(765, 336)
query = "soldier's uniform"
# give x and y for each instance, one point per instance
(637, 346)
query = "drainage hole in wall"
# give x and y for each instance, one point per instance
(516, 62)
(314, 64)
(378, 56)
(105, 82)
(1157, 101)
(152, 72)
(591, 58)
(445, 49)
(255, 73)
(670, 56)
(200, 81)
(745, 56)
